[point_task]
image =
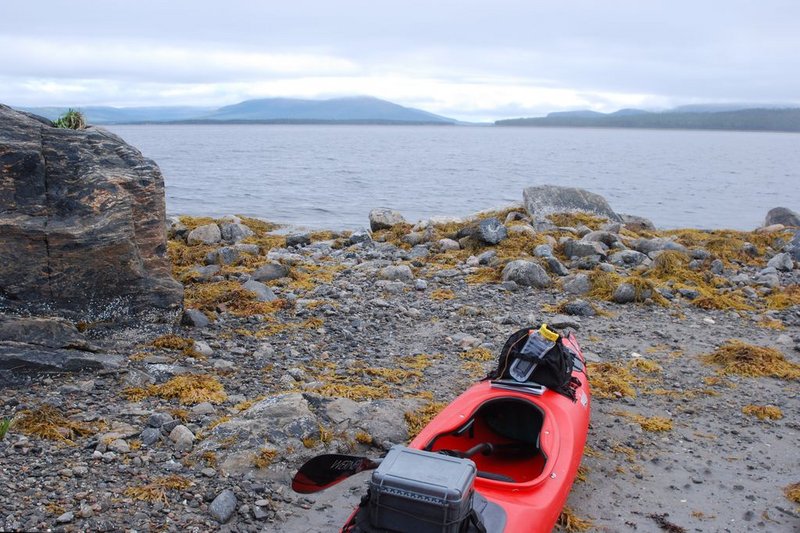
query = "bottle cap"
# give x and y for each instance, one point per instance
(547, 333)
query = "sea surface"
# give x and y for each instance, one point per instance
(331, 176)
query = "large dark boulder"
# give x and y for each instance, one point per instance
(544, 200)
(82, 223)
(782, 215)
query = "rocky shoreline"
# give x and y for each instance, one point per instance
(305, 343)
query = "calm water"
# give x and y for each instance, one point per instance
(331, 176)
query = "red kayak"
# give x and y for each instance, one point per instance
(526, 444)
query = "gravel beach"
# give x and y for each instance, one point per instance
(295, 344)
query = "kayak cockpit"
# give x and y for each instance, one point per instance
(511, 427)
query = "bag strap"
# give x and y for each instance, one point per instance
(476, 520)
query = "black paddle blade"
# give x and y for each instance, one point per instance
(324, 471)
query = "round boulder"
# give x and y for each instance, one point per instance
(491, 231)
(206, 234)
(526, 273)
(782, 215)
(384, 218)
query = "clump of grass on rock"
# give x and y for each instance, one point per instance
(72, 120)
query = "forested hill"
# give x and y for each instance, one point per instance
(742, 119)
(350, 110)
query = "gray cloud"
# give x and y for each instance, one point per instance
(466, 58)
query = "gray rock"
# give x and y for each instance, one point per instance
(65, 518)
(782, 261)
(564, 322)
(203, 408)
(82, 225)
(250, 249)
(234, 232)
(613, 227)
(21, 356)
(420, 284)
(628, 258)
(487, 257)
(657, 244)
(264, 351)
(546, 200)
(414, 238)
(175, 228)
(579, 308)
(636, 223)
(223, 506)
(206, 234)
(259, 513)
(137, 378)
(182, 437)
(699, 253)
(491, 231)
(204, 273)
(689, 294)
(384, 218)
(360, 236)
(526, 273)
(419, 252)
(278, 419)
(606, 237)
(227, 255)
(543, 250)
(666, 293)
(448, 244)
(577, 284)
(46, 332)
(573, 248)
(150, 436)
(156, 420)
(270, 272)
(194, 319)
(782, 215)
(522, 229)
(624, 293)
(556, 267)
(119, 446)
(717, 267)
(298, 239)
(396, 273)
(262, 292)
(768, 280)
(750, 249)
(589, 262)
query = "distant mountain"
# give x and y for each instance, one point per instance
(786, 119)
(125, 115)
(360, 110)
(581, 113)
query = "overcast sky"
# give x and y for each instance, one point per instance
(465, 59)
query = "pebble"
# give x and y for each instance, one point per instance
(66, 518)
(150, 436)
(183, 438)
(223, 506)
